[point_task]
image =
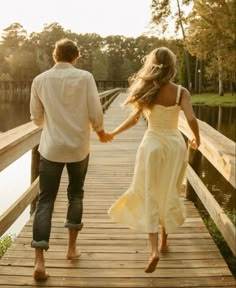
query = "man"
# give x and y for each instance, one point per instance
(65, 103)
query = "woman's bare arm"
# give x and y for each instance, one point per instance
(187, 108)
(128, 123)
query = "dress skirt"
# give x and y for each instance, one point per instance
(153, 198)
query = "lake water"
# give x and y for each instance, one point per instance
(15, 179)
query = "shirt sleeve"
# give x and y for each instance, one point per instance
(36, 107)
(94, 105)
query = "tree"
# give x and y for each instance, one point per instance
(165, 12)
(89, 44)
(100, 65)
(211, 37)
(114, 48)
(13, 38)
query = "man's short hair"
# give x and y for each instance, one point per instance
(65, 50)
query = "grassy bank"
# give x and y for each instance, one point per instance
(212, 99)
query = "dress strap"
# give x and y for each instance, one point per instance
(178, 95)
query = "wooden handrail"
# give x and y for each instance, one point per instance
(18, 207)
(220, 151)
(217, 148)
(16, 142)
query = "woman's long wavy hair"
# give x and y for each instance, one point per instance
(159, 67)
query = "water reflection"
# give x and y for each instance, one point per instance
(220, 118)
(13, 114)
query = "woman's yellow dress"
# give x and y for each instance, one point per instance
(153, 197)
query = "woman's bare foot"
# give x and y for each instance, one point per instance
(163, 247)
(73, 255)
(151, 266)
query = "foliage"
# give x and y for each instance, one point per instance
(24, 56)
(5, 243)
(164, 12)
(116, 57)
(211, 37)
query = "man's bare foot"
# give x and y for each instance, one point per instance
(151, 266)
(73, 255)
(40, 275)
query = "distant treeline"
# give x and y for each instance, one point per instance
(112, 58)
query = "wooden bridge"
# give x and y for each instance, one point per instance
(112, 255)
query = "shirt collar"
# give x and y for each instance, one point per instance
(62, 65)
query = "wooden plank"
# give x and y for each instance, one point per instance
(102, 256)
(114, 272)
(138, 282)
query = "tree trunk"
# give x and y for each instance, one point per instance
(220, 70)
(186, 54)
(200, 77)
(196, 76)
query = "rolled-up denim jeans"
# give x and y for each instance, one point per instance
(49, 180)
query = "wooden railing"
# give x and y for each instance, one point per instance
(20, 90)
(15, 143)
(220, 152)
(105, 85)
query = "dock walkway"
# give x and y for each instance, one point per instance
(112, 255)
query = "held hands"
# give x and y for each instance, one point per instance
(104, 137)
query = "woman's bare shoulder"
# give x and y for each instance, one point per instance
(185, 94)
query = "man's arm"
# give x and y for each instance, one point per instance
(94, 105)
(36, 107)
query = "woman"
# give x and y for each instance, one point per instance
(152, 199)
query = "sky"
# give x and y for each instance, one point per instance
(104, 17)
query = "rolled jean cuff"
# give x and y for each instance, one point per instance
(73, 225)
(40, 244)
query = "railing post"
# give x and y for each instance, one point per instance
(194, 159)
(35, 157)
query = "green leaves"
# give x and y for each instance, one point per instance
(5, 243)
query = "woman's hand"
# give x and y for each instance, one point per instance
(194, 143)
